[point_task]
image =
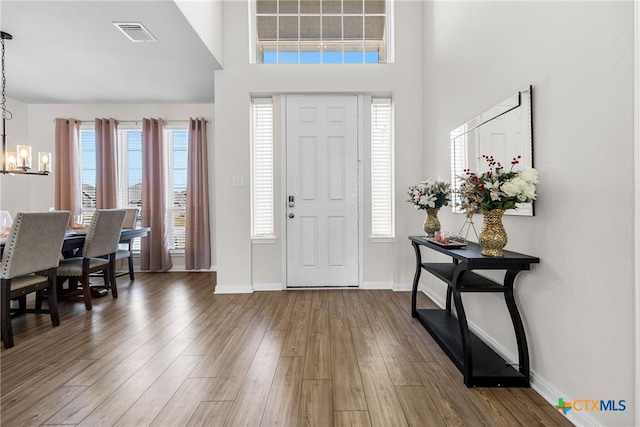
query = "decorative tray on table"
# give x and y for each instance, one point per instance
(452, 244)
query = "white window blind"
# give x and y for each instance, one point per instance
(381, 169)
(262, 169)
(88, 174)
(176, 143)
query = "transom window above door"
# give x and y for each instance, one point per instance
(321, 31)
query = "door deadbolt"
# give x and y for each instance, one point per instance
(291, 201)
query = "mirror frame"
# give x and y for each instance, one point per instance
(459, 157)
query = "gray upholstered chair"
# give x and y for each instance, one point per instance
(129, 222)
(33, 246)
(98, 254)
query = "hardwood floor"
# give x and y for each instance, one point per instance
(168, 352)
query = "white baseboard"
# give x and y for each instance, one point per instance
(548, 391)
(402, 287)
(268, 287)
(377, 285)
(233, 289)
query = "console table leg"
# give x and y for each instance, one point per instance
(467, 355)
(521, 338)
(416, 280)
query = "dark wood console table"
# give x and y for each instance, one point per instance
(479, 364)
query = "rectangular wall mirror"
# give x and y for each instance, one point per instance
(504, 132)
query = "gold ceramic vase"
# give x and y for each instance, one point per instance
(431, 223)
(492, 236)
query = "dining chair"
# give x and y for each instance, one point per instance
(98, 254)
(130, 220)
(29, 261)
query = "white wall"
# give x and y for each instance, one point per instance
(205, 16)
(240, 80)
(578, 304)
(35, 123)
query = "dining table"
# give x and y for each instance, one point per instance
(74, 239)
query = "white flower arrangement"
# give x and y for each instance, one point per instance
(429, 194)
(497, 189)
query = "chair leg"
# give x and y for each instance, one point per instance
(86, 290)
(52, 294)
(131, 266)
(5, 304)
(22, 304)
(112, 276)
(38, 306)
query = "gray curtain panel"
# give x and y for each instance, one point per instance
(106, 172)
(197, 244)
(154, 253)
(67, 167)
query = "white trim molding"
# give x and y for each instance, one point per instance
(637, 203)
(233, 289)
(402, 287)
(260, 287)
(377, 285)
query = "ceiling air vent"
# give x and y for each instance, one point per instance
(135, 31)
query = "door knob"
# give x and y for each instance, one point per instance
(291, 215)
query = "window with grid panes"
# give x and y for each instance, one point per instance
(321, 31)
(129, 176)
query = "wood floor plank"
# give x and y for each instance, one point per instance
(351, 419)
(320, 299)
(316, 403)
(210, 414)
(296, 341)
(184, 403)
(365, 343)
(34, 414)
(152, 401)
(282, 316)
(500, 414)
(384, 406)
(283, 402)
(237, 360)
(521, 407)
(357, 316)
(337, 308)
(211, 363)
(386, 338)
(132, 353)
(416, 349)
(347, 385)
(447, 399)
(317, 363)
(556, 416)
(115, 405)
(418, 407)
(251, 399)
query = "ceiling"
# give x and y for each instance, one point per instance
(70, 52)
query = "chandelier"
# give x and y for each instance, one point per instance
(19, 161)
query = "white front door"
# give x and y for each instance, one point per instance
(322, 191)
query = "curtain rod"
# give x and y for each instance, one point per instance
(135, 121)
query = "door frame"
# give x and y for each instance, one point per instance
(283, 181)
